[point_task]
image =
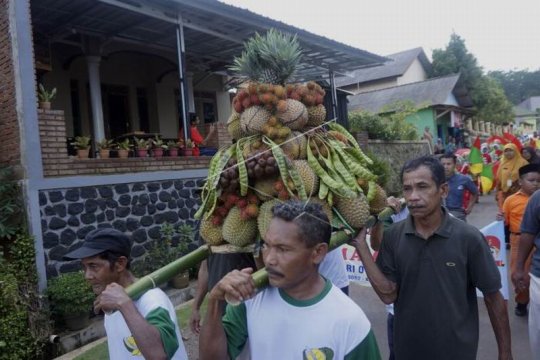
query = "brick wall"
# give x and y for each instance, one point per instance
(56, 162)
(221, 136)
(10, 152)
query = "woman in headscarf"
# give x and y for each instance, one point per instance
(529, 154)
(508, 173)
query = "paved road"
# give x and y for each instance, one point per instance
(483, 214)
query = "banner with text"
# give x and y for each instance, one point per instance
(494, 234)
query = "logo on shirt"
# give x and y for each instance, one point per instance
(131, 346)
(323, 353)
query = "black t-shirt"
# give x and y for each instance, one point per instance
(220, 265)
(436, 310)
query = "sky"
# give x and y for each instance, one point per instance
(502, 34)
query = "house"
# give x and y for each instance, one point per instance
(444, 103)
(527, 115)
(402, 68)
(120, 68)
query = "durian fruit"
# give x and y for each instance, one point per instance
(210, 233)
(379, 201)
(316, 115)
(309, 178)
(265, 216)
(355, 211)
(233, 126)
(295, 146)
(264, 188)
(253, 119)
(237, 231)
(295, 116)
(326, 208)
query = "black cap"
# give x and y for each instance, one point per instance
(525, 169)
(101, 240)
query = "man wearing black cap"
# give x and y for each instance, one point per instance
(145, 327)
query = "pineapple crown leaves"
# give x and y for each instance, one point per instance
(270, 58)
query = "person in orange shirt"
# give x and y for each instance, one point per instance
(196, 136)
(512, 213)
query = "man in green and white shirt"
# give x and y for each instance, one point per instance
(301, 315)
(136, 329)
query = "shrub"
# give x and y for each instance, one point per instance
(380, 167)
(70, 294)
(390, 125)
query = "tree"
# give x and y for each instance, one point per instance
(489, 99)
(518, 85)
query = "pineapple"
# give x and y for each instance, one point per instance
(270, 59)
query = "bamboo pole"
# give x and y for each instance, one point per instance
(164, 274)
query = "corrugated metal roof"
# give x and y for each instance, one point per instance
(398, 64)
(214, 32)
(429, 92)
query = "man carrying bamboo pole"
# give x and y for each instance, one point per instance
(144, 327)
(296, 316)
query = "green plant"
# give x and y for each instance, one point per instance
(24, 322)
(81, 142)
(390, 125)
(172, 244)
(173, 144)
(70, 294)
(157, 143)
(379, 167)
(44, 95)
(105, 144)
(141, 144)
(124, 145)
(11, 210)
(190, 144)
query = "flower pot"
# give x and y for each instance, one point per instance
(173, 152)
(123, 154)
(142, 152)
(45, 105)
(83, 153)
(158, 152)
(77, 321)
(104, 153)
(180, 281)
(187, 152)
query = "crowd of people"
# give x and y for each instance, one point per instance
(428, 266)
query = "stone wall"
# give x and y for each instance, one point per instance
(396, 153)
(138, 209)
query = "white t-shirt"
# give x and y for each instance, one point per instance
(328, 326)
(157, 309)
(333, 268)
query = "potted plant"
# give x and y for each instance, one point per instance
(188, 149)
(173, 148)
(45, 97)
(158, 146)
(141, 145)
(82, 144)
(123, 149)
(104, 146)
(71, 299)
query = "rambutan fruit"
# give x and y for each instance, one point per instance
(252, 199)
(278, 186)
(252, 210)
(273, 121)
(281, 106)
(217, 220)
(279, 91)
(246, 102)
(254, 99)
(283, 195)
(242, 203)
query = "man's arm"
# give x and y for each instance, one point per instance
(202, 289)
(238, 285)
(498, 316)
(473, 189)
(147, 336)
(385, 288)
(526, 243)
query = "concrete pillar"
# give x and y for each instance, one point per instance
(95, 97)
(469, 125)
(482, 126)
(475, 126)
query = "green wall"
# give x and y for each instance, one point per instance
(421, 119)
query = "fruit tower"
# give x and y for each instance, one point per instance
(284, 148)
